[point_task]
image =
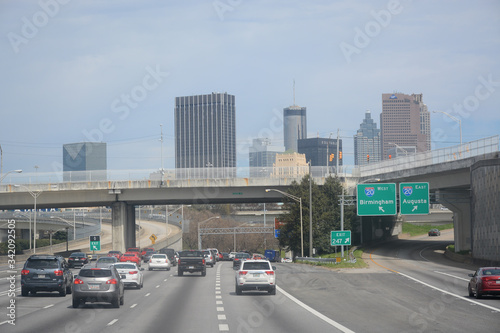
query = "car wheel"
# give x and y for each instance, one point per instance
(150, 269)
(122, 300)
(478, 294)
(62, 292)
(76, 303)
(204, 273)
(116, 303)
(238, 290)
(24, 291)
(272, 291)
(179, 272)
(142, 283)
(471, 293)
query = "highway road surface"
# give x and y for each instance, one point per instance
(409, 287)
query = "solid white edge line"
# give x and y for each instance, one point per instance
(451, 294)
(48, 306)
(112, 322)
(453, 276)
(316, 313)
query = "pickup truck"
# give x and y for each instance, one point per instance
(191, 261)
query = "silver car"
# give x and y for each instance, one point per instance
(209, 257)
(256, 275)
(131, 274)
(94, 284)
(159, 261)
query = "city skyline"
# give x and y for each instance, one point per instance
(93, 71)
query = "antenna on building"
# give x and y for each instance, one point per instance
(294, 92)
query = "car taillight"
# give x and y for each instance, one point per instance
(25, 272)
(179, 261)
(112, 281)
(203, 261)
(243, 272)
(133, 272)
(58, 272)
(78, 281)
(270, 272)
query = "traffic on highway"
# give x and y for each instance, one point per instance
(409, 286)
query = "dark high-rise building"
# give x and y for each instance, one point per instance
(205, 132)
(84, 156)
(404, 122)
(262, 156)
(294, 126)
(320, 150)
(367, 142)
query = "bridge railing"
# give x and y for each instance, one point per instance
(174, 177)
(448, 154)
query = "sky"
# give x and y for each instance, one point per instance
(109, 71)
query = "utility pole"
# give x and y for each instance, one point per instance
(310, 214)
(337, 157)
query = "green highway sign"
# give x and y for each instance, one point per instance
(95, 243)
(340, 238)
(414, 198)
(376, 199)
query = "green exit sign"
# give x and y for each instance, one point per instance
(95, 243)
(376, 199)
(340, 238)
(414, 198)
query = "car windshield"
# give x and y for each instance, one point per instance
(491, 272)
(242, 255)
(190, 254)
(95, 273)
(125, 266)
(159, 256)
(42, 263)
(107, 260)
(248, 265)
(77, 255)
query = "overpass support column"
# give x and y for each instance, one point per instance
(459, 202)
(123, 226)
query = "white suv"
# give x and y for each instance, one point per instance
(256, 275)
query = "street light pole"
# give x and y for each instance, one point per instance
(199, 224)
(2, 177)
(34, 195)
(458, 120)
(299, 200)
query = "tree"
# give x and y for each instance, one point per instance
(325, 215)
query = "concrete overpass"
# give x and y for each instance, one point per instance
(448, 172)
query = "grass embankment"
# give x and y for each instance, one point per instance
(343, 264)
(415, 230)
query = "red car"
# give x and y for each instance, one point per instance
(132, 257)
(136, 250)
(116, 254)
(486, 281)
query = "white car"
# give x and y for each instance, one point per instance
(231, 255)
(256, 275)
(159, 261)
(131, 274)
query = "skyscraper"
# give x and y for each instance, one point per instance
(84, 156)
(262, 156)
(294, 126)
(205, 132)
(367, 142)
(319, 150)
(404, 122)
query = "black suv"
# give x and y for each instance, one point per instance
(46, 273)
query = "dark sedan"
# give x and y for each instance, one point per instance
(434, 232)
(78, 259)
